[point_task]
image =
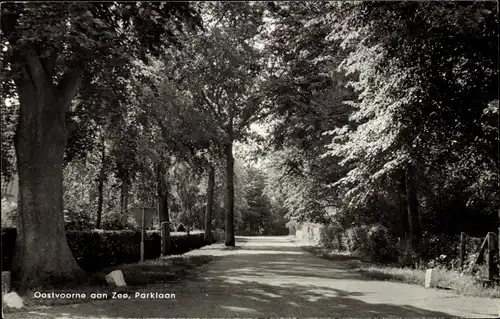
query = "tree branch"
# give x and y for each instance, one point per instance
(34, 67)
(210, 104)
(49, 64)
(68, 86)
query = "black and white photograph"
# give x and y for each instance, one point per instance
(250, 159)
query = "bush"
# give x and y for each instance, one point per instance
(357, 239)
(115, 220)
(98, 249)
(8, 247)
(331, 237)
(78, 220)
(9, 213)
(371, 241)
(181, 228)
(382, 247)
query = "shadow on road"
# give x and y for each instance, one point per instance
(266, 277)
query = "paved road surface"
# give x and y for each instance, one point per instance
(272, 277)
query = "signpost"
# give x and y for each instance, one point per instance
(143, 216)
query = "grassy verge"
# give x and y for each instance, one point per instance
(157, 275)
(461, 284)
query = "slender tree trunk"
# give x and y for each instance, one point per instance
(413, 209)
(43, 257)
(210, 203)
(100, 185)
(403, 206)
(230, 240)
(162, 189)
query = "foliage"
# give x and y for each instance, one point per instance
(401, 114)
(78, 220)
(362, 100)
(118, 220)
(256, 218)
(9, 121)
(9, 213)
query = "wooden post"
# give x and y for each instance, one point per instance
(462, 250)
(165, 235)
(491, 252)
(480, 256)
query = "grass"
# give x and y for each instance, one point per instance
(461, 284)
(151, 275)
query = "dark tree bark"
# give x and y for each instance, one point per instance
(230, 240)
(404, 223)
(229, 227)
(210, 203)
(100, 185)
(162, 190)
(413, 209)
(43, 257)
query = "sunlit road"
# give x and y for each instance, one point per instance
(272, 277)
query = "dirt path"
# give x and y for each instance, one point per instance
(271, 277)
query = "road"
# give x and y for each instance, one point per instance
(272, 277)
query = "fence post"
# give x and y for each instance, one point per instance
(462, 250)
(491, 251)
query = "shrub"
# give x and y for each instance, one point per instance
(331, 237)
(115, 220)
(357, 239)
(8, 246)
(382, 247)
(98, 249)
(9, 213)
(181, 228)
(78, 220)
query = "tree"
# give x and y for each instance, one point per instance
(309, 93)
(363, 132)
(423, 81)
(223, 75)
(210, 205)
(50, 49)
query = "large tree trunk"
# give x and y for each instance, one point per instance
(210, 203)
(162, 189)
(230, 240)
(413, 209)
(43, 257)
(100, 183)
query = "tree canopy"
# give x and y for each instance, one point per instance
(245, 115)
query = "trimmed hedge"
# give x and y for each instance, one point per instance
(97, 249)
(8, 247)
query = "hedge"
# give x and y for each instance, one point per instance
(375, 242)
(97, 249)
